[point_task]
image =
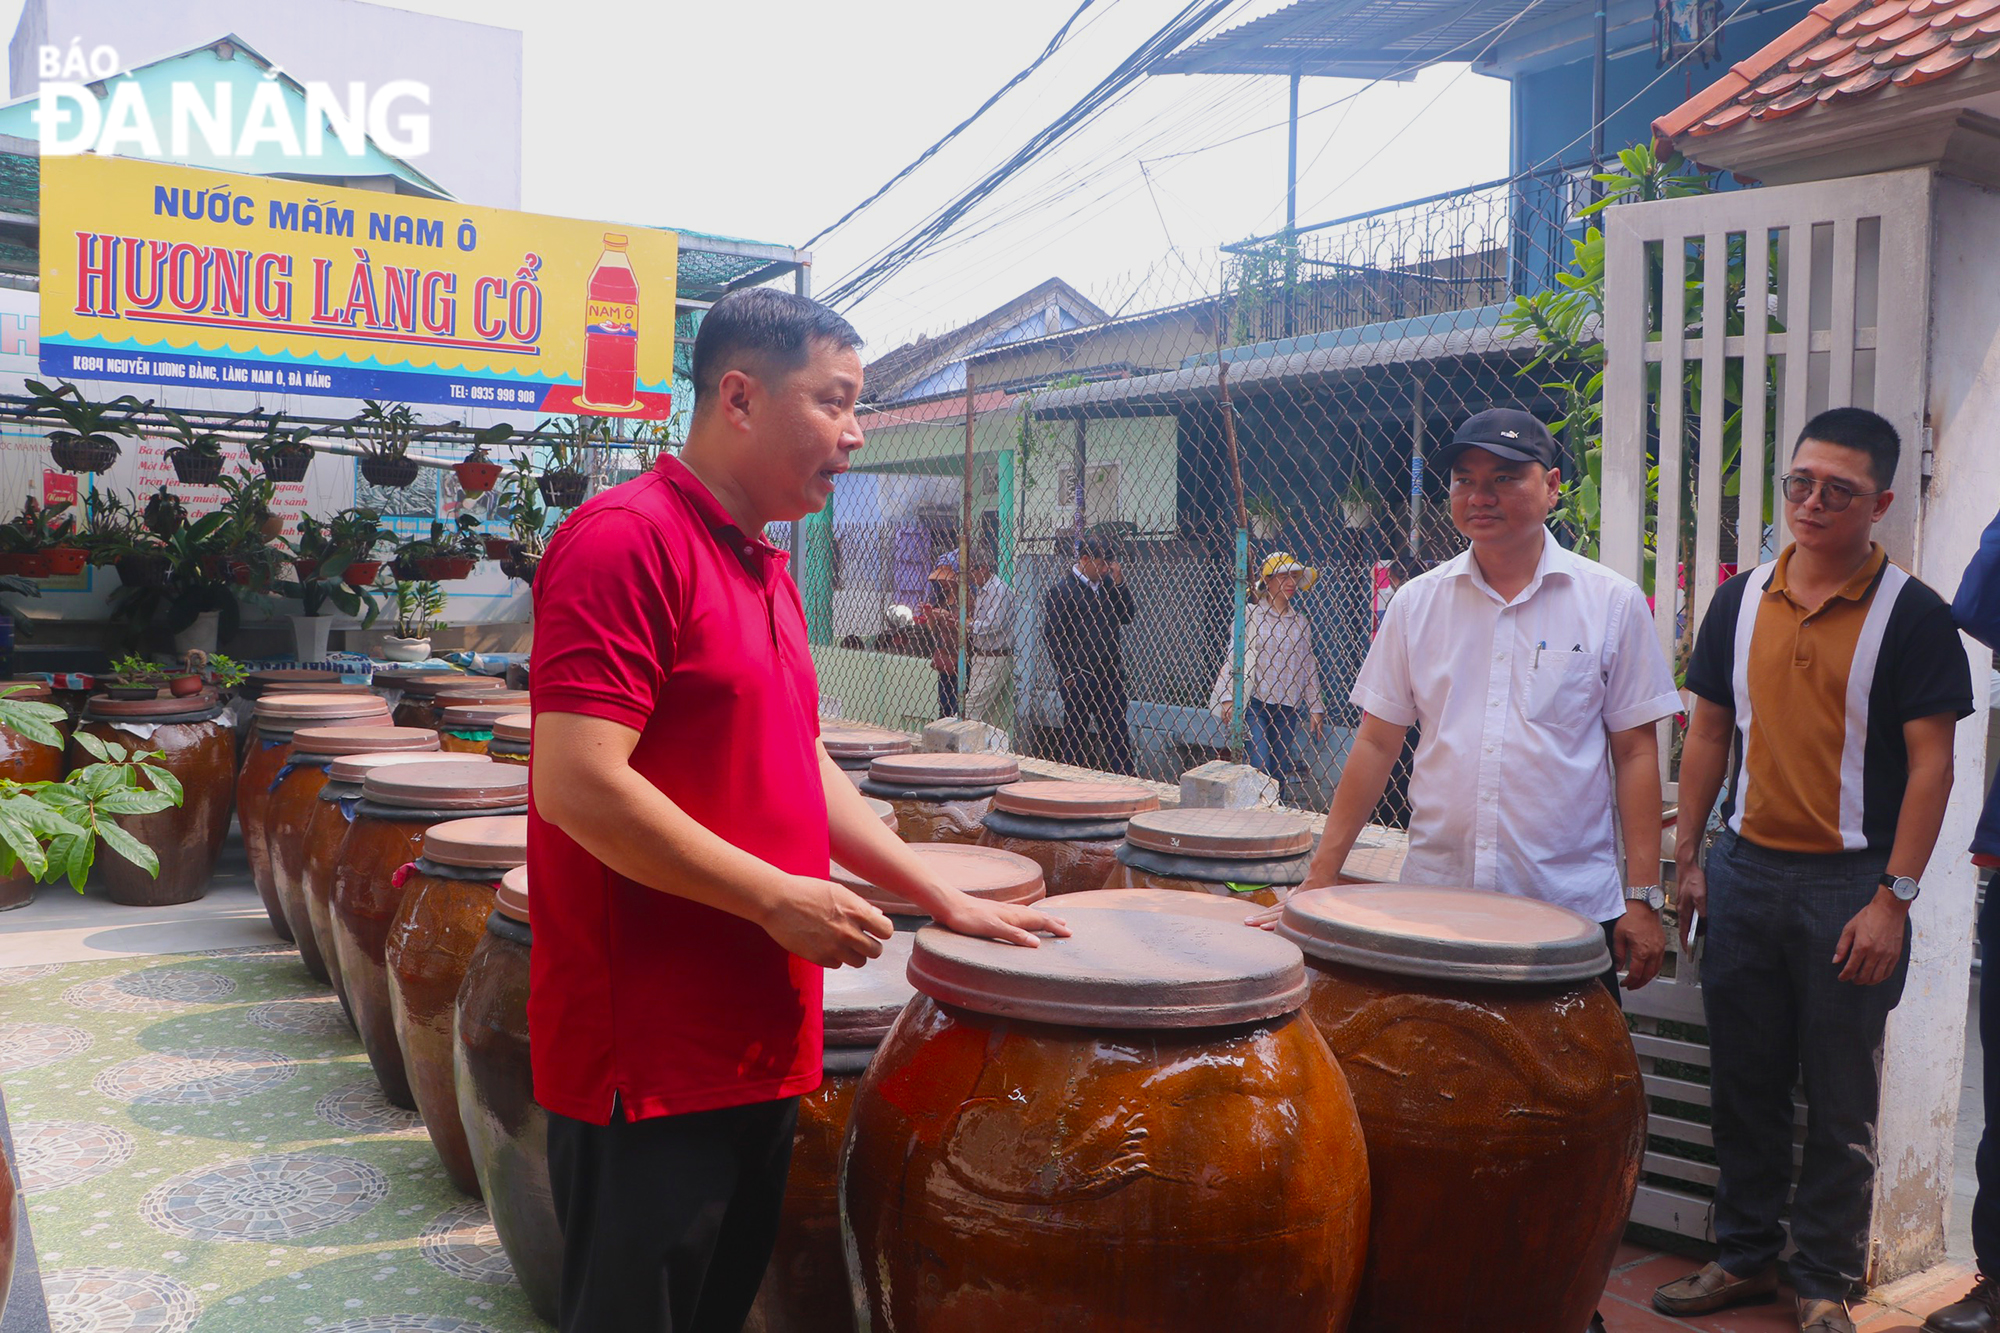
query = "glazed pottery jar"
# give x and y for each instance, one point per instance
(983, 872)
(507, 1132)
(940, 797)
(511, 737)
(199, 749)
(882, 811)
(277, 717)
(1131, 1128)
(1072, 830)
(467, 728)
(854, 746)
(293, 801)
(9, 1220)
(398, 805)
(1499, 1092)
(805, 1288)
(23, 760)
(1251, 855)
(447, 896)
(418, 705)
(326, 829)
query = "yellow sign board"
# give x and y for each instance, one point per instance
(169, 275)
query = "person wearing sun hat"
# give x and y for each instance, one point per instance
(1281, 687)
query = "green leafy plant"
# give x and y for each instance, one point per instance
(52, 829)
(321, 557)
(136, 670)
(111, 529)
(198, 579)
(281, 450)
(38, 527)
(225, 672)
(418, 606)
(164, 513)
(384, 430)
(197, 450)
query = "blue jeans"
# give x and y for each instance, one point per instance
(1273, 732)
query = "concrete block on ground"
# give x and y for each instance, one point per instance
(1221, 785)
(957, 735)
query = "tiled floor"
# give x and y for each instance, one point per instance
(1628, 1308)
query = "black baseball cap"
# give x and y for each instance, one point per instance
(1505, 431)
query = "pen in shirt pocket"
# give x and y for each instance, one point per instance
(1538, 652)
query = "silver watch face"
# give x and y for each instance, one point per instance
(1904, 888)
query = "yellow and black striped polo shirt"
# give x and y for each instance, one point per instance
(1821, 695)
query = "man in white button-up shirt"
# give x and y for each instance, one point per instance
(1537, 680)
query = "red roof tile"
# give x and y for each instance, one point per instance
(1842, 51)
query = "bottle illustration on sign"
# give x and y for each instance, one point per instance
(611, 332)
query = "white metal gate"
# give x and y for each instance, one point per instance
(1807, 297)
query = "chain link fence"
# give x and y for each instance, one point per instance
(1117, 488)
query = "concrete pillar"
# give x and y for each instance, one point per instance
(954, 735)
(1221, 785)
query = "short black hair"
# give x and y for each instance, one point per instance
(765, 325)
(1097, 546)
(1863, 431)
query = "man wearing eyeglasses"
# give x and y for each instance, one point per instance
(1828, 684)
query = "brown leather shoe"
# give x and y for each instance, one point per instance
(1709, 1289)
(1824, 1317)
(1978, 1312)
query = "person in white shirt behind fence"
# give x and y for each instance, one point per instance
(1280, 671)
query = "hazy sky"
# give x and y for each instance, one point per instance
(769, 118)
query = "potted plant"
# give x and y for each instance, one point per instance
(40, 543)
(418, 605)
(354, 533)
(1267, 517)
(249, 502)
(109, 529)
(476, 473)
(135, 677)
(322, 564)
(164, 512)
(282, 452)
(194, 605)
(89, 443)
(385, 432)
(526, 521)
(1358, 501)
(445, 555)
(563, 482)
(197, 453)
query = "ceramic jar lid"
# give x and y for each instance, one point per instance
(1117, 969)
(514, 700)
(399, 677)
(1422, 930)
(498, 841)
(852, 742)
(1075, 800)
(946, 770)
(862, 1002)
(1236, 835)
(1208, 906)
(474, 717)
(514, 727)
(881, 809)
(289, 680)
(458, 783)
(512, 897)
(434, 683)
(984, 872)
(351, 768)
(152, 710)
(324, 709)
(362, 740)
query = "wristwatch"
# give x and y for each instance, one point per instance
(1650, 894)
(1902, 886)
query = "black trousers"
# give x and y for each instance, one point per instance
(668, 1223)
(1094, 733)
(1986, 1204)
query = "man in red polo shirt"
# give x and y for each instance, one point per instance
(683, 817)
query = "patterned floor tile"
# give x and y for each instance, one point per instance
(30, 1045)
(463, 1243)
(54, 1153)
(198, 1077)
(118, 1300)
(152, 990)
(360, 1108)
(284, 1196)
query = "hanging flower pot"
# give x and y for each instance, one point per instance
(361, 573)
(164, 513)
(406, 568)
(523, 570)
(65, 560)
(476, 475)
(564, 488)
(240, 572)
(288, 464)
(182, 686)
(397, 472)
(142, 571)
(445, 568)
(499, 548)
(79, 453)
(195, 469)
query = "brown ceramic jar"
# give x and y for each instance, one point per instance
(1255, 856)
(1131, 1128)
(1072, 830)
(467, 728)
(1499, 1092)
(511, 737)
(805, 1288)
(883, 811)
(326, 830)
(940, 797)
(418, 705)
(446, 901)
(398, 805)
(853, 746)
(507, 1132)
(293, 802)
(277, 717)
(8, 1215)
(23, 760)
(983, 872)
(199, 749)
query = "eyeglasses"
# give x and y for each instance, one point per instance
(1834, 495)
